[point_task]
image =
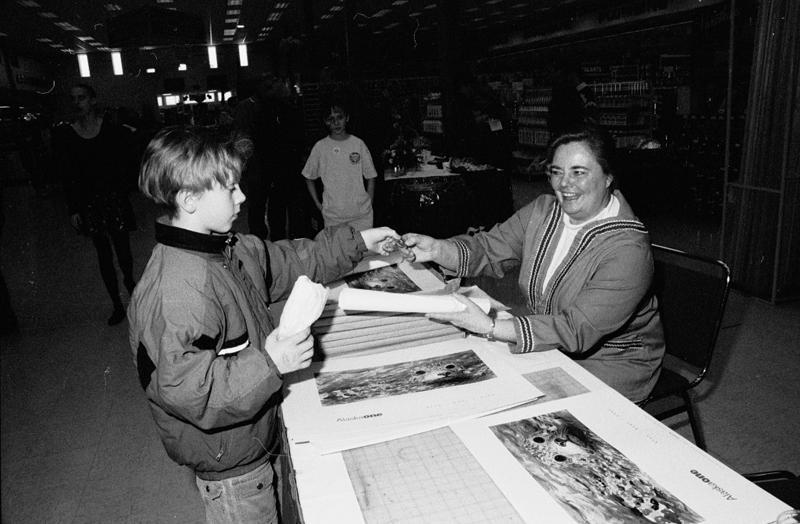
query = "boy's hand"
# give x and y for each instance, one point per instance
(290, 353)
(374, 238)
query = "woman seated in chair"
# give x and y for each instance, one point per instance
(586, 268)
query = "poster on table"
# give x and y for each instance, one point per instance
(390, 274)
(580, 460)
(344, 403)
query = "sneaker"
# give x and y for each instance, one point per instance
(117, 316)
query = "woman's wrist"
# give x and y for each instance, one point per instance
(489, 333)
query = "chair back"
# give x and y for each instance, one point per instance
(692, 291)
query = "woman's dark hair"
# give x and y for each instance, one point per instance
(599, 141)
(86, 87)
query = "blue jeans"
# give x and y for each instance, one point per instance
(245, 499)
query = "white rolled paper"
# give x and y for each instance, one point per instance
(365, 300)
(303, 307)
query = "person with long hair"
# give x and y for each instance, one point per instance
(96, 165)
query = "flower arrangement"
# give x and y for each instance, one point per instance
(402, 155)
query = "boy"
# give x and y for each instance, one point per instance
(204, 341)
(342, 161)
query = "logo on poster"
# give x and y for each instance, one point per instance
(711, 484)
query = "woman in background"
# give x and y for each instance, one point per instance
(97, 167)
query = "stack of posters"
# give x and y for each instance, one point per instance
(341, 333)
(344, 403)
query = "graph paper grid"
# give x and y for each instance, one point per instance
(424, 478)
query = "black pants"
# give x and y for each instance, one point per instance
(105, 258)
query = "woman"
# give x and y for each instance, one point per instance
(586, 268)
(95, 158)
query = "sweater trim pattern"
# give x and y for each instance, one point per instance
(525, 335)
(463, 258)
(536, 268)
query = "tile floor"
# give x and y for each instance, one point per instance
(78, 443)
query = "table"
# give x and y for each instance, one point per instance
(437, 477)
(440, 203)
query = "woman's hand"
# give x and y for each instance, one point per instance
(376, 237)
(472, 318)
(425, 248)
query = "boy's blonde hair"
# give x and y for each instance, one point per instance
(190, 158)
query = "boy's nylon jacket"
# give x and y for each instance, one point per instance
(202, 294)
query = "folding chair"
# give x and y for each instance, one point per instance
(692, 291)
(783, 484)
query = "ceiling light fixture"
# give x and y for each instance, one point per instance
(231, 20)
(229, 32)
(116, 62)
(48, 14)
(212, 57)
(83, 65)
(28, 3)
(230, 12)
(113, 7)
(66, 26)
(150, 70)
(243, 62)
(234, 2)
(400, 2)
(182, 67)
(44, 40)
(281, 5)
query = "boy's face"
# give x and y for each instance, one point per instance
(337, 121)
(217, 208)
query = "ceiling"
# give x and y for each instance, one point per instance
(376, 33)
(51, 27)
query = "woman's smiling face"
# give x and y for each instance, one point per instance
(580, 184)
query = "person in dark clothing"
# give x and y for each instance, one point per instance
(571, 103)
(262, 117)
(94, 156)
(480, 124)
(8, 320)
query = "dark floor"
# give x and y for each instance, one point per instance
(78, 444)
